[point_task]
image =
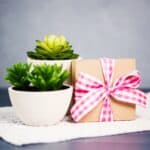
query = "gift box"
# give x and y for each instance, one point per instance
(105, 90)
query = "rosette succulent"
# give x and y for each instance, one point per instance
(39, 78)
(17, 75)
(53, 48)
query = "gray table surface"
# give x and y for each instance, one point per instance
(132, 141)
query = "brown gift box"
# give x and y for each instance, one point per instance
(121, 110)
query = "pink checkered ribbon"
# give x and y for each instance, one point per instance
(89, 91)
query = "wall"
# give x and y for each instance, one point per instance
(95, 28)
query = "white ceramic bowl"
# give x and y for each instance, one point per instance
(41, 108)
(65, 63)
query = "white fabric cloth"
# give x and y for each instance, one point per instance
(13, 131)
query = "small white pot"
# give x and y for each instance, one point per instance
(38, 108)
(65, 63)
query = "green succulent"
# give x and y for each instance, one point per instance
(40, 77)
(48, 77)
(53, 48)
(17, 75)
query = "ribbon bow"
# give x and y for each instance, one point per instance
(89, 91)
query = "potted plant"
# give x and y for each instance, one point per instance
(53, 50)
(38, 95)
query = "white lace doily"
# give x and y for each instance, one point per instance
(14, 131)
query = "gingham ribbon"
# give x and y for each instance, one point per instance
(89, 91)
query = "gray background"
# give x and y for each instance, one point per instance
(95, 28)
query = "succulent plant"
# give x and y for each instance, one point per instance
(41, 77)
(53, 48)
(48, 77)
(17, 75)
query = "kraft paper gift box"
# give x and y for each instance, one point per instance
(121, 110)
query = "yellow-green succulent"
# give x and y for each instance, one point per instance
(53, 47)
